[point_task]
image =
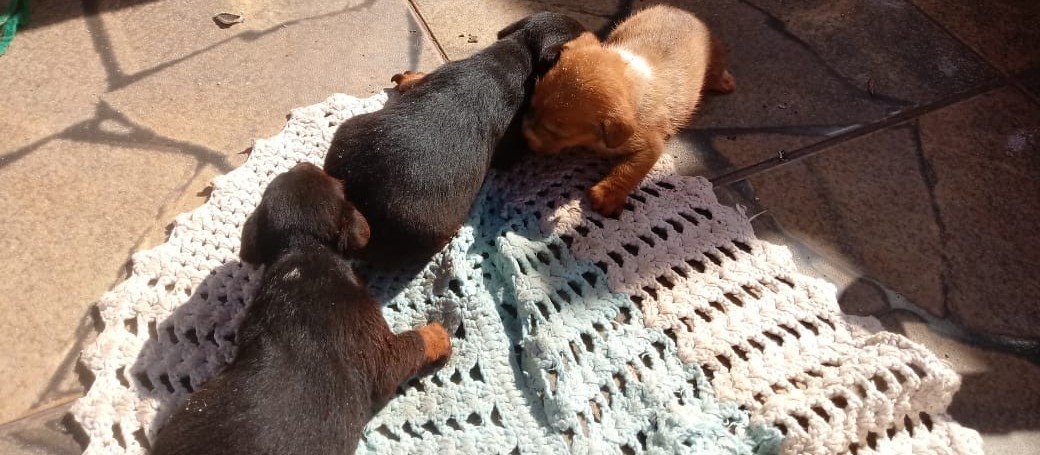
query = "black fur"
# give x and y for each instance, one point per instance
(414, 167)
(315, 355)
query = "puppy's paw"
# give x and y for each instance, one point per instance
(725, 83)
(436, 343)
(404, 81)
(606, 200)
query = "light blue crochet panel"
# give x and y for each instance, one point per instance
(546, 359)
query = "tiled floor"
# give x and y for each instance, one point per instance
(894, 145)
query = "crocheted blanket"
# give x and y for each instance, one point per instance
(671, 329)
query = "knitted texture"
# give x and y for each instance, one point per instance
(668, 330)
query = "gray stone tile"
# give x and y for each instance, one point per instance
(866, 206)
(116, 114)
(1003, 31)
(983, 162)
(942, 212)
(50, 432)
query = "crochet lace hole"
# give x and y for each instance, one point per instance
(666, 282)
(840, 402)
(872, 440)
(742, 246)
(821, 412)
(651, 191)
(130, 325)
(586, 339)
(142, 380)
(880, 383)
(660, 232)
(142, 439)
(117, 433)
(496, 417)
(647, 240)
(665, 185)
(705, 213)
(909, 425)
(920, 372)
(431, 428)
(778, 339)
(690, 218)
(631, 249)
(617, 258)
(475, 373)
(734, 299)
(474, 419)
(186, 383)
(165, 380)
(696, 265)
(551, 377)
(454, 424)
(172, 335)
(728, 253)
(675, 225)
(789, 282)
(803, 421)
(723, 360)
(456, 377)
(714, 260)
(926, 420)
(624, 315)
(602, 266)
(752, 291)
(641, 437)
(407, 427)
(603, 390)
(595, 411)
(121, 375)
(628, 450)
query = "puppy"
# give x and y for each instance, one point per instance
(626, 96)
(315, 357)
(414, 167)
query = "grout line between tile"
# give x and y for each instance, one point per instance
(429, 32)
(799, 154)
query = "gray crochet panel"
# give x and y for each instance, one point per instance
(572, 332)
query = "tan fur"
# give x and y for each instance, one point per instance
(594, 98)
(404, 81)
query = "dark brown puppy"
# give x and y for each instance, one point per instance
(414, 167)
(315, 357)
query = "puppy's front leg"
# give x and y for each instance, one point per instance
(609, 195)
(406, 80)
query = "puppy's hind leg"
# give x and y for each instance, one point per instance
(406, 80)
(412, 353)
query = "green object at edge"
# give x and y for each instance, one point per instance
(17, 12)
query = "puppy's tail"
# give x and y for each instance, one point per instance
(624, 9)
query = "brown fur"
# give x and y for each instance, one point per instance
(594, 98)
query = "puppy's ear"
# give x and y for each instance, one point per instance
(616, 129)
(353, 231)
(512, 28)
(251, 250)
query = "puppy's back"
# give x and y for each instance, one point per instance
(677, 46)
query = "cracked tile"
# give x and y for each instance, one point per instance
(983, 157)
(863, 204)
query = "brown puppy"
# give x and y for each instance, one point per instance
(626, 96)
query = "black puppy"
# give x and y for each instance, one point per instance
(315, 358)
(414, 168)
